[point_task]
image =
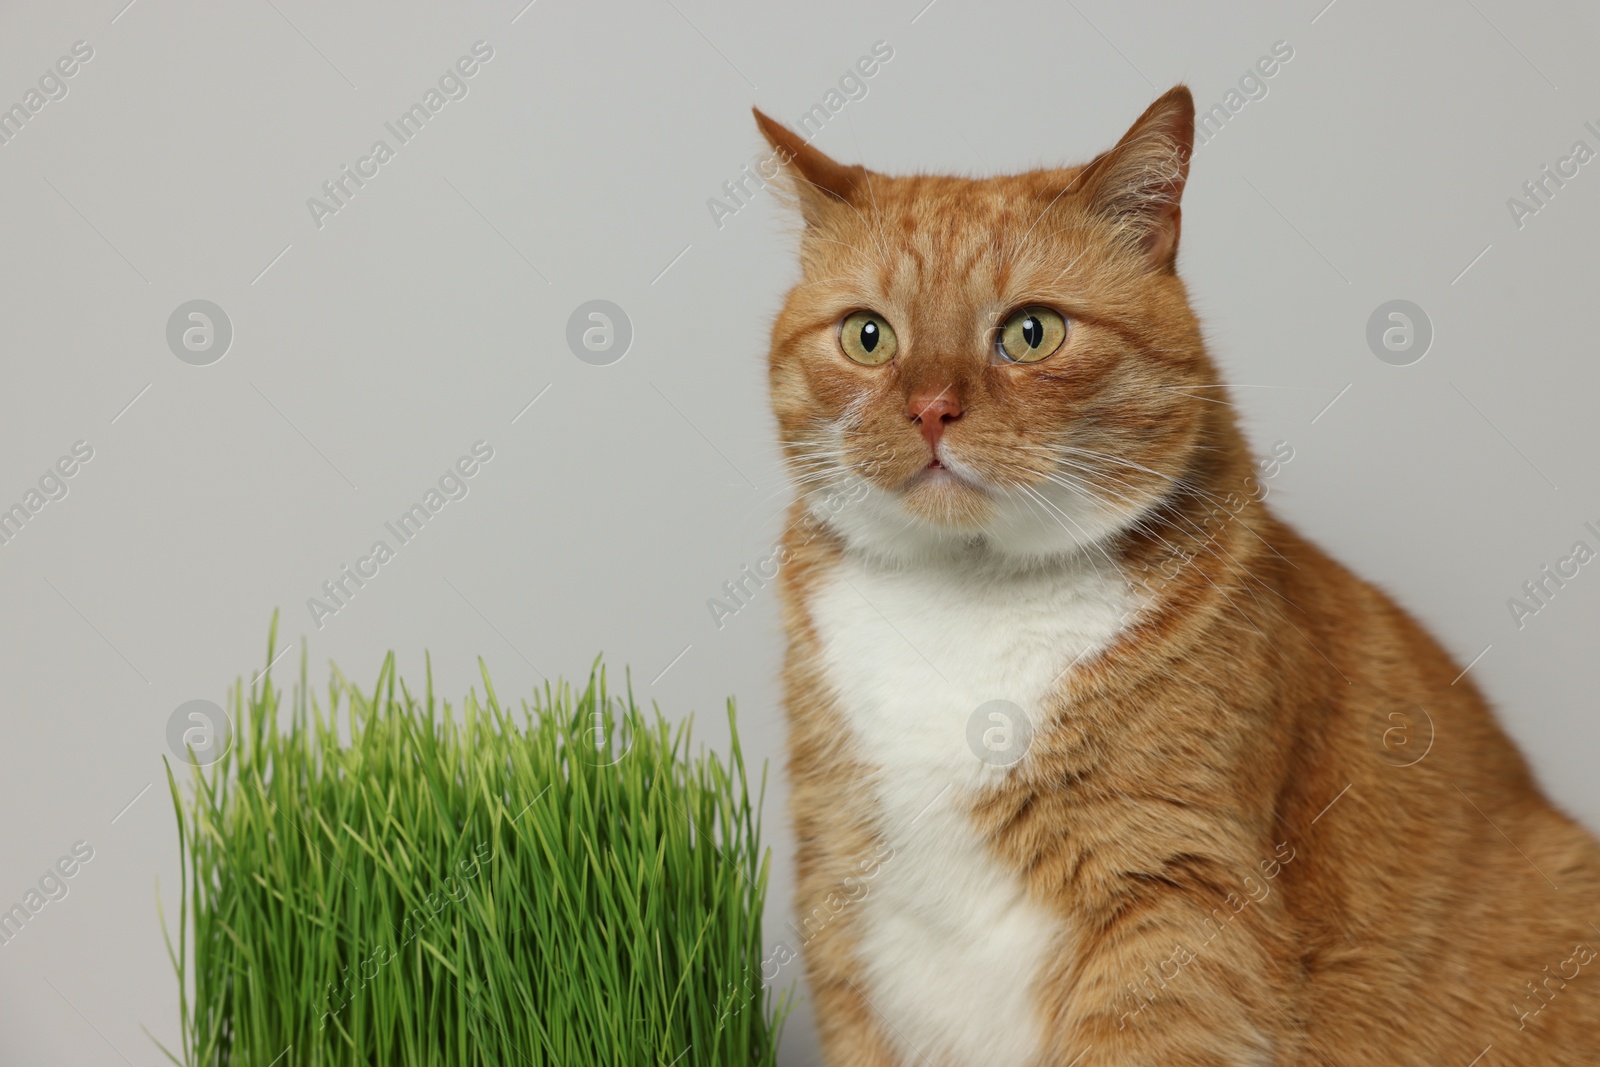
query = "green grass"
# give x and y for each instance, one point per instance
(380, 880)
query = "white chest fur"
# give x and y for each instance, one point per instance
(952, 944)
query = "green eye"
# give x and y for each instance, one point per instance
(867, 339)
(1030, 334)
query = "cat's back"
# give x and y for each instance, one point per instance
(1444, 898)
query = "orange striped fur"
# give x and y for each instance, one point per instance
(1257, 822)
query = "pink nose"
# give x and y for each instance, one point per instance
(931, 409)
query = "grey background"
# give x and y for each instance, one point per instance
(370, 353)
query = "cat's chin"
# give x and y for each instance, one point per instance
(941, 497)
(941, 515)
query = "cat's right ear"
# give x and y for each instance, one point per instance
(820, 183)
(1139, 183)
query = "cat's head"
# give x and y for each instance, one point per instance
(1002, 364)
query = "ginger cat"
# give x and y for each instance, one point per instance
(1094, 760)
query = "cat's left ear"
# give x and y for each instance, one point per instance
(819, 182)
(1139, 183)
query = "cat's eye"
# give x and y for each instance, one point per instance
(867, 339)
(1030, 334)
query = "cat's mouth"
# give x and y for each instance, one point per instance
(940, 474)
(944, 468)
(945, 494)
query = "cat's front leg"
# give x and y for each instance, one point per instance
(836, 873)
(1168, 978)
(850, 1031)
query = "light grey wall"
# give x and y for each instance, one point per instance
(370, 352)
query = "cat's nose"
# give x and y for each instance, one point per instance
(931, 410)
